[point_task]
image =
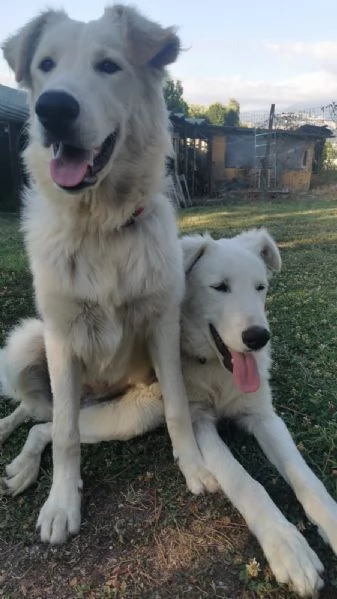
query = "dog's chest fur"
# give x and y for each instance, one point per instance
(101, 288)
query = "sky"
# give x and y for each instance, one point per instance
(257, 52)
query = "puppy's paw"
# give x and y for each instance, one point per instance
(292, 560)
(325, 518)
(198, 478)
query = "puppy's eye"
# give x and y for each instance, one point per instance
(107, 66)
(260, 287)
(223, 287)
(46, 65)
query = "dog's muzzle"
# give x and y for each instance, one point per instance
(243, 365)
(222, 348)
(57, 112)
(72, 168)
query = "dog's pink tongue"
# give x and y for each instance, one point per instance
(69, 171)
(245, 372)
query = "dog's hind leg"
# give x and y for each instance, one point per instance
(24, 469)
(288, 553)
(279, 447)
(12, 422)
(134, 413)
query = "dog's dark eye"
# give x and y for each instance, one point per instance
(260, 287)
(46, 65)
(107, 66)
(224, 287)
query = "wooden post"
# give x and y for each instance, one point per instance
(186, 152)
(193, 165)
(265, 159)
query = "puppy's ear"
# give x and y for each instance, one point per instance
(147, 42)
(261, 242)
(19, 49)
(194, 247)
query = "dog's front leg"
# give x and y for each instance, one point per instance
(288, 553)
(165, 353)
(61, 514)
(279, 447)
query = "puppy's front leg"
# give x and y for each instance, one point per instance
(276, 442)
(165, 353)
(288, 553)
(61, 514)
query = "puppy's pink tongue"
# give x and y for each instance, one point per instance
(245, 372)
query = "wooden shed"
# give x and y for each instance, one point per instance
(215, 158)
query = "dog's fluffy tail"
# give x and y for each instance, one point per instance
(23, 369)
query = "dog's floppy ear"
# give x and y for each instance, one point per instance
(19, 49)
(262, 243)
(194, 247)
(147, 42)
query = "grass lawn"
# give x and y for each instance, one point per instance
(143, 535)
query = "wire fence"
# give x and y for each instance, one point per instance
(317, 115)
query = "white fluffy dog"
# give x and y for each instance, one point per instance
(99, 231)
(226, 360)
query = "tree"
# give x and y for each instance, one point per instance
(216, 113)
(198, 111)
(232, 116)
(174, 96)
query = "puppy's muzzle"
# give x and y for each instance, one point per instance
(255, 337)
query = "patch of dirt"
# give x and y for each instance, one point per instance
(143, 536)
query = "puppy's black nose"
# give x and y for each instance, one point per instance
(57, 111)
(255, 337)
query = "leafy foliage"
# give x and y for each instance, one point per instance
(216, 114)
(174, 96)
(198, 111)
(221, 114)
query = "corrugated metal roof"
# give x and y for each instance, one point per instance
(189, 119)
(13, 104)
(305, 132)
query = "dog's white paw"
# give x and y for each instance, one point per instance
(292, 560)
(60, 516)
(198, 478)
(22, 472)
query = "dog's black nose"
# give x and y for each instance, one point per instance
(255, 337)
(57, 111)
